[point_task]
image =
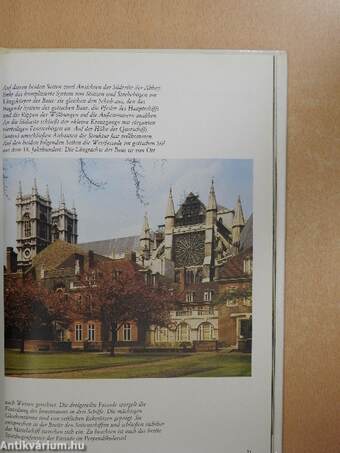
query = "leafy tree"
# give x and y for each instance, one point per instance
(118, 296)
(25, 307)
(58, 307)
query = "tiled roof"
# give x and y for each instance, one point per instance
(246, 239)
(112, 247)
(233, 268)
(57, 252)
(123, 265)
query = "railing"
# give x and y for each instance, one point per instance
(195, 313)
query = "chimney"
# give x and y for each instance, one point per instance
(11, 260)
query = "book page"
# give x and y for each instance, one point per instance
(143, 197)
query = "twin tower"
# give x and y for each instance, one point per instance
(38, 224)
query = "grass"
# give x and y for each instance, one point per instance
(84, 365)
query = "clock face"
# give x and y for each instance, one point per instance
(189, 249)
(27, 254)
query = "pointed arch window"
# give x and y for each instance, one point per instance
(27, 225)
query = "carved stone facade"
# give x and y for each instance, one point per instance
(194, 249)
(195, 238)
(38, 224)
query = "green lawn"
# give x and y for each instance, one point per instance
(73, 365)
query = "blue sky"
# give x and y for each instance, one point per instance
(115, 211)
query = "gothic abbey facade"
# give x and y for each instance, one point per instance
(194, 241)
(39, 224)
(206, 250)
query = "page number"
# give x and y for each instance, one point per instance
(248, 450)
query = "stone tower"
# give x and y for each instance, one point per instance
(33, 224)
(64, 222)
(38, 224)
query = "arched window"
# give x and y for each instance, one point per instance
(183, 332)
(205, 331)
(27, 225)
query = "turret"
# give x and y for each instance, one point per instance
(170, 210)
(238, 223)
(35, 187)
(169, 226)
(211, 215)
(212, 205)
(48, 198)
(62, 203)
(145, 239)
(19, 195)
(65, 222)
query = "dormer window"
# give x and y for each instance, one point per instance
(190, 296)
(207, 296)
(116, 274)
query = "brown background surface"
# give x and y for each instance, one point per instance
(309, 30)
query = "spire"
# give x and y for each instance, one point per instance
(146, 228)
(238, 216)
(62, 198)
(47, 193)
(74, 207)
(170, 210)
(212, 204)
(20, 189)
(35, 187)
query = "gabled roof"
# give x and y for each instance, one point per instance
(54, 254)
(111, 247)
(57, 253)
(191, 200)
